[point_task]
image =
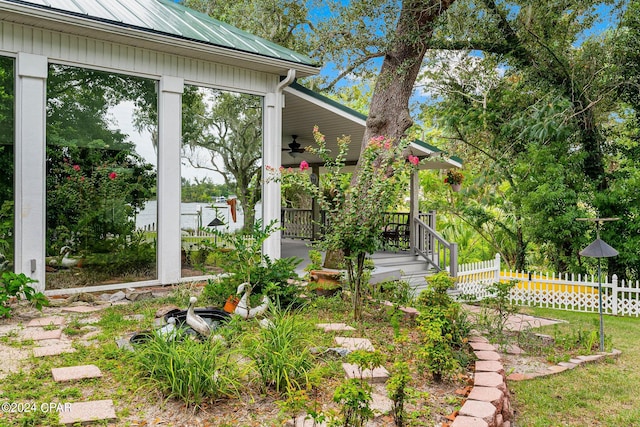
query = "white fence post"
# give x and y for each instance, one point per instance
(614, 294)
(497, 267)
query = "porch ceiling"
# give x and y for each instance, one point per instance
(304, 109)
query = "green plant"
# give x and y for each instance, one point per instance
(496, 309)
(188, 369)
(315, 258)
(13, 285)
(396, 291)
(280, 352)
(356, 210)
(397, 391)
(436, 292)
(354, 396)
(444, 331)
(246, 254)
(454, 177)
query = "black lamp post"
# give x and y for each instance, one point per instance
(599, 249)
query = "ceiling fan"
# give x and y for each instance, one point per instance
(294, 147)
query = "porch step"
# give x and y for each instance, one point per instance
(407, 264)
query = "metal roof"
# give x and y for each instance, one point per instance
(169, 18)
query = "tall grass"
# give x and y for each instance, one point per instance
(280, 352)
(189, 370)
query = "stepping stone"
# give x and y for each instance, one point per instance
(334, 327)
(489, 366)
(82, 309)
(46, 321)
(74, 373)
(463, 421)
(557, 369)
(481, 346)
(487, 355)
(576, 361)
(381, 404)
(378, 375)
(478, 409)
(514, 349)
(592, 358)
(53, 350)
(303, 421)
(83, 412)
(354, 344)
(40, 334)
(478, 338)
(487, 394)
(568, 365)
(488, 379)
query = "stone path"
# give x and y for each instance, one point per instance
(47, 334)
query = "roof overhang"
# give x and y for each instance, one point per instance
(55, 20)
(305, 109)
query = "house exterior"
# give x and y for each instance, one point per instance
(153, 39)
(174, 48)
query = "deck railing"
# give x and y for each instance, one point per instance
(430, 245)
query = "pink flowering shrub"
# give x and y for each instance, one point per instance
(356, 211)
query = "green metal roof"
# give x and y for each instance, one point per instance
(169, 18)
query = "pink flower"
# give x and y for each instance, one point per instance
(304, 165)
(414, 160)
(76, 168)
(113, 175)
(387, 145)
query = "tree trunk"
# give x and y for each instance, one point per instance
(389, 110)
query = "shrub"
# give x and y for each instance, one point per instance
(189, 370)
(444, 328)
(12, 285)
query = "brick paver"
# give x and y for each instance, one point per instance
(463, 421)
(46, 321)
(53, 350)
(83, 309)
(83, 412)
(39, 334)
(335, 327)
(487, 355)
(354, 344)
(378, 375)
(489, 366)
(74, 373)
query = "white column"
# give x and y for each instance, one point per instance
(271, 151)
(30, 172)
(169, 137)
(414, 209)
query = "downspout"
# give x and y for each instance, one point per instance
(291, 76)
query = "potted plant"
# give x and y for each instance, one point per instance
(454, 178)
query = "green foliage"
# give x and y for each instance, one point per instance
(202, 191)
(397, 391)
(444, 329)
(396, 291)
(496, 309)
(6, 234)
(13, 285)
(280, 352)
(96, 182)
(436, 293)
(315, 258)
(189, 370)
(126, 253)
(354, 398)
(273, 278)
(355, 211)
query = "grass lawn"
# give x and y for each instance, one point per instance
(600, 394)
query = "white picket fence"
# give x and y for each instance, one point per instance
(562, 291)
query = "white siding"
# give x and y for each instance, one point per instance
(109, 56)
